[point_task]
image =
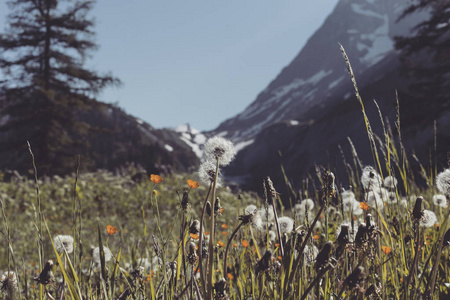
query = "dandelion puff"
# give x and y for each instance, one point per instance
(443, 182)
(300, 208)
(96, 254)
(266, 215)
(220, 148)
(207, 172)
(348, 195)
(370, 179)
(286, 224)
(374, 200)
(440, 200)
(63, 242)
(387, 196)
(428, 219)
(8, 284)
(252, 217)
(250, 209)
(390, 182)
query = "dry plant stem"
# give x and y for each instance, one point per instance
(278, 228)
(187, 285)
(183, 229)
(210, 268)
(200, 241)
(415, 261)
(305, 241)
(228, 246)
(316, 280)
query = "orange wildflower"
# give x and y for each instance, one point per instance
(316, 237)
(363, 205)
(206, 233)
(193, 184)
(110, 230)
(224, 232)
(224, 226)
(245, 244)
(194, 236)
(220, 244)
(279, 257)
(155, 178)
(277, 245)
(222, 210)
(235, 245)
(231, 277)
(386, 249)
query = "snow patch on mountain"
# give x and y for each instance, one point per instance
(377, 44)
(241, 145)
(193, 138)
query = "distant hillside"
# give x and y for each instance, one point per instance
(112, 138)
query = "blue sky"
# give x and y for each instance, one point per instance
(196, 62)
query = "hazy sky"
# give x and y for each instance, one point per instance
(196, 62)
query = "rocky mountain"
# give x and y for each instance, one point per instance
(310, 109)
(112, 139)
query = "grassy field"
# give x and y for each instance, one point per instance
(125, 235)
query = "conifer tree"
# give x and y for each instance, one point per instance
(46, 85)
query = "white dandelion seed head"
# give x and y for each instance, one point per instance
(428, 219)
(443, 182)
(207, 172)
(300, 208)
(266, 215)
(374, 200)
(9, 283)
(370, 179)
(404, 202)
(387, 196)
(390, 182)
(96, 254)
(249, 209)
(286, 224)
(440, 200)
(348, 195)
(219, 148)
(63, 242)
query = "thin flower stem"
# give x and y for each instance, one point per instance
(316, 280)
(200, 241)
(210, 274)
(228, 246)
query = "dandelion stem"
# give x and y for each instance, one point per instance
(200, 241)
(211, 237)
(228, 246)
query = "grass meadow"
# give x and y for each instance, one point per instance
(126, 235)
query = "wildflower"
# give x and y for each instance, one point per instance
(440, 200)
(374, 200)
(428, 219)
(230, 276)
(207, 172)
(390, 182)
(110, 230)
(194, 236)
(263, 264)
(155, 192)
(388, 196)
(443, 182)
(305, 205)
(155, 178)
(224, 226)
(266, 215)
(220, 288)
(62, 242)
(370, 179)
(220, 244)
(316, 237)
(245, 244)
(364, 205)
(386, 249)
(96, 254)
(221, 149)
(193, 184)
(252, 218)
(323, 257)
(8, 284)
(224, 232)
(286, 224)
(250, 209)
(46, 276)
